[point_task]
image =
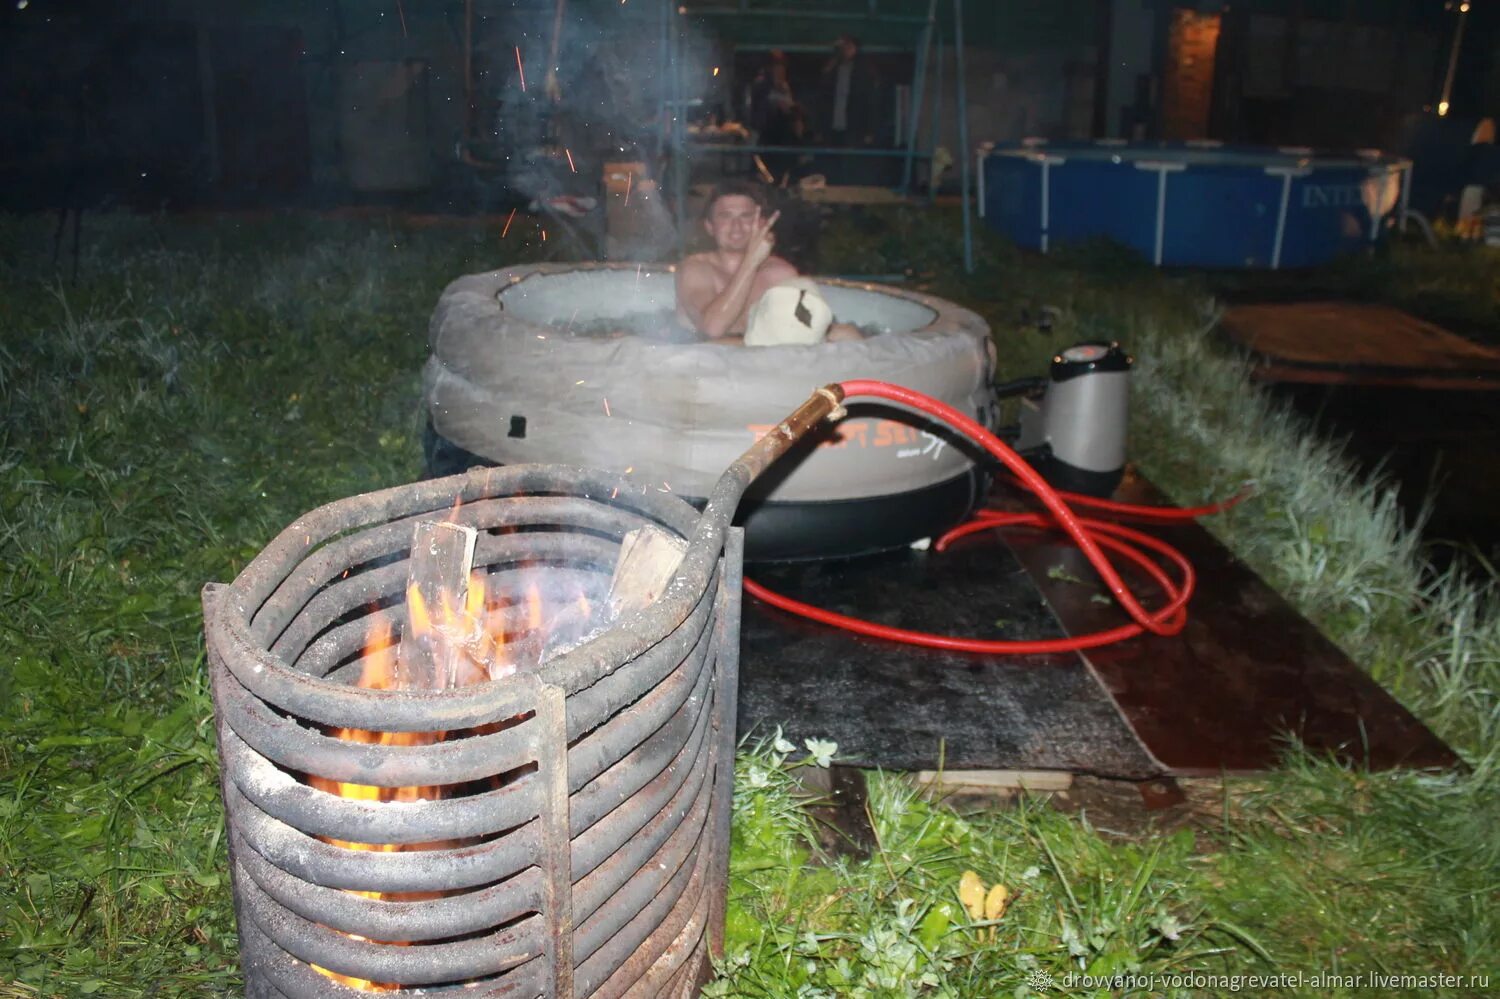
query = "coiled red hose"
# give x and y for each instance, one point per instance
(1092, 536)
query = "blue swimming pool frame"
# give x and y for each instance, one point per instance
(1198, 204)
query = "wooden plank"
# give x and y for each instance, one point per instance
(902, 707)
(991, 781)
(437, 583)
(648, 560)
(1435, 381)
(1351, 332)
(1357, 344)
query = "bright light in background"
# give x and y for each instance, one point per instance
(22, 4)
(1463, 8)
(716, 71)
(1442, 108)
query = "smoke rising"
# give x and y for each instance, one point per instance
(583, 135)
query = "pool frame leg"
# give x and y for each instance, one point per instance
(1286, 174)
(1162, 168)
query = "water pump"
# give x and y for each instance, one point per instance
(1075, 433)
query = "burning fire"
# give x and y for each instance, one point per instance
(465, 639)
(381, 672)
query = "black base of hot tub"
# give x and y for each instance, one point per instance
(800, 532)
(803, 531)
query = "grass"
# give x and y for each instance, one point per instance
(205, 383)
(1455, 284)
(894, 925)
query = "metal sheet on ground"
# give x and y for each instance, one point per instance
(906, 708)
(1225, 696)
(1246, 672)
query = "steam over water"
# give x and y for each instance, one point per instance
(660, 326)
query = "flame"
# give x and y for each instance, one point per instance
(417, 617)
(378, 673)
(452, 616)
(362, 984)
(474, 599)
(472, 632)
(533, 608)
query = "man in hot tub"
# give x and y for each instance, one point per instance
(720, 293)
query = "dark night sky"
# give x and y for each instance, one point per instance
(137, 104)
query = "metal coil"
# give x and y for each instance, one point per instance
(585, 851)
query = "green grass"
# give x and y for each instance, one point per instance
(162, 420)
(1455, 284)
(205, 383)
(893, 925)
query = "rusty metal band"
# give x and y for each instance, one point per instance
(556, 859)
(666, 686)
(449, 915)
(318, 862)
(651, 883)
(678, 961)
(474, 957)
(338, 559)
(320, 813)
(270, 569)
(283, 975)
(337, 598)
(620, 952)
(633, 770)
(726, 714)
(341, 706)
(612, 852)
(452, 761)
(590, 707)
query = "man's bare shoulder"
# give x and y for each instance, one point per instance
(777, 269)
(696, 262)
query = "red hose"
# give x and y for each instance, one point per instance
(1162, 513)
(1092, 536)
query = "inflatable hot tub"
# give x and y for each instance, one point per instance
(533, 364)
(1196, 204)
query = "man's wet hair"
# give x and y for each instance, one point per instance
(732, 188)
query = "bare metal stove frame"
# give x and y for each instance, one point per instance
(594, 862)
